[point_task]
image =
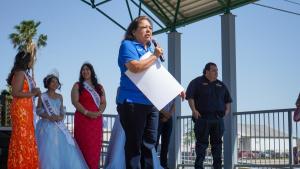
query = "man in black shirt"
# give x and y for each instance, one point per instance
(209, 100)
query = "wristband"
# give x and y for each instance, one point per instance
(85, 112)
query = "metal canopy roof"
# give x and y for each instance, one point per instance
(175, 13)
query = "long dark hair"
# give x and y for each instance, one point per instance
(133, 26)
(94, 79)
(22, 60)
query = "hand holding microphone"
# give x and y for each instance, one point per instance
(158, 51)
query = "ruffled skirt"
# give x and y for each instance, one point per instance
(55, 150)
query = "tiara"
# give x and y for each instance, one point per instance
(50, 76)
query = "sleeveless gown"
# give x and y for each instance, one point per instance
(88, 132)
(55, 151)
(23, 153)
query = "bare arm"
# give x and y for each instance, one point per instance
(103, 102)
(17, 86)
(75, 99)
(227, 108)
(182, 95)
(77, 105)
(61, 113)
(195, 112)
(41, 112)
(137, 66)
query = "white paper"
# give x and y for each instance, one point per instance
(156, 83)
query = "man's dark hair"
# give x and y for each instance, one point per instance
(207, 67)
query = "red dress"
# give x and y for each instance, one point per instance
(88, 132)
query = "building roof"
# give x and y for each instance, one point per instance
(177, 13)
(172, 14)
(260, 131)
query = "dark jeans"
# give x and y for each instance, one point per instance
(165, 130)
(140, 124)
(213, 129)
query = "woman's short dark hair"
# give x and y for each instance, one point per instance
(133, 26)
(47, 80)
(22, 60)
(93, 78)
(207, 67)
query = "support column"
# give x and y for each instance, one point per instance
(174, 67)
(229, 78)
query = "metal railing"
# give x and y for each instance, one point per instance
(268, 138)
(265, 139)
(108, 121)
(187, 151)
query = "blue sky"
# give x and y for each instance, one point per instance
(267, 51)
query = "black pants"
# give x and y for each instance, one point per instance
(140, 124)
(213, 129)
(164, 130)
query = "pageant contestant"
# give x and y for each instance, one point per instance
(23, 151)
(88, 97)
(57, 148)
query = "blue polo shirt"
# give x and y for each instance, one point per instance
(127, 91)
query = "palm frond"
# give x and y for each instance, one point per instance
(15, 39)
(37, 24)
(26, 31)
(42, 41)
(17, 27)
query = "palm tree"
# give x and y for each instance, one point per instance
(22, 39)
(5, 100)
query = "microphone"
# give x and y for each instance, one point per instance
(161, 58)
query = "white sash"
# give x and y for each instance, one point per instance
(30, 81)
(51, 110)
(31, 85)
(93, 93)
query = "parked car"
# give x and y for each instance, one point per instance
(246, 154)
(270, 154)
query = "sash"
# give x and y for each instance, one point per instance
(93, 93)
(54, 111)
(31, 85)
(30, 81)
